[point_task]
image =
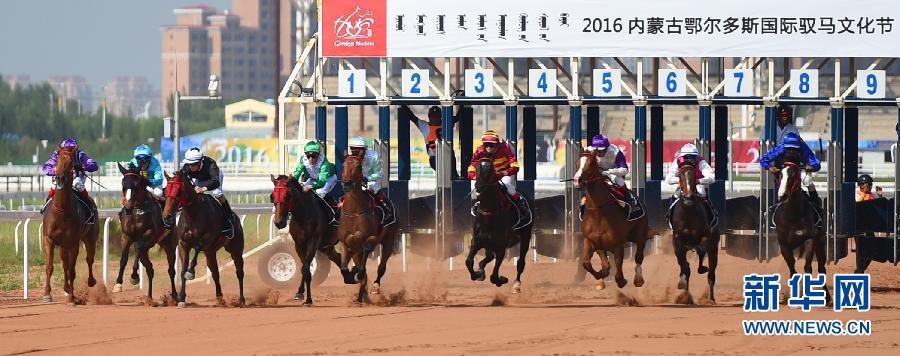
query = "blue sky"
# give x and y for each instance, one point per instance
(98, 39)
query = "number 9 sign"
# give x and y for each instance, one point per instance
(870, 84)
(672, 82)
(415, 83)
(479, 83)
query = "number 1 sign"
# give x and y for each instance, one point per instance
(352, 83)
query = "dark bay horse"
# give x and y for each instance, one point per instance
(796, 222)
(690, 230)
(492, 231)
(605, 226)
(199, 227)
(359, 230)
(64, 226)
(142, 225)
(310, 228)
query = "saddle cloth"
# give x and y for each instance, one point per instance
(633, 207)
(713, 220)
(520, 220)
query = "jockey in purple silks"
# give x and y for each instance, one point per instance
(611, 160)
(83, 163)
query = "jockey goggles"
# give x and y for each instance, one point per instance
(312, 154)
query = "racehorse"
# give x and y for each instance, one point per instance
(796, 221)
(360, 229)
(199, 227)
(605, 225)
(691, 230)
(495, 215)
(142, 224)
(310, 226)
(65, 226)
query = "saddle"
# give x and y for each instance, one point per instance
(816, 211)
(713, 220)
(375, 206)
(89, 206)
(521, 220)
(631, 205)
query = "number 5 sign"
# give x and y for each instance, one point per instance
(415, 83)
(607, 82)
(672, 82)
(738, 82)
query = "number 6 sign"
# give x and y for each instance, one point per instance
(672, 82)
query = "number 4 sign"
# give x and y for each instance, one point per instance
(415, 83)
(541, 82)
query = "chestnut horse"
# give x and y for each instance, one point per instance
(199, 227)
(64, 226)
(310, 228)
(360, 230)
(605, 225)
(796, 222)
(690, 230)
(142, 225)
(495, 215)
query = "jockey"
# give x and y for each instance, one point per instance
(314, 171)
(83, 163)
(505, 165)
(150, 169)
(611, 160)
(785, 123)
(207, 179)
(865, 188)
(372, 172)
(794, 144)
(689, 155)
(431, 131)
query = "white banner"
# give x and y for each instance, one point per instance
(605, 28)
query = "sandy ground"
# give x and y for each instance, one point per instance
(436, 311)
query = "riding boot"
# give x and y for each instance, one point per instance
(91, 206)
(47, 202)
(815, 200)
(710, 212)
(227, 214)
(387, 206)
(524, 212)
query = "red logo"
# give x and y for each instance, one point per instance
(354, 28)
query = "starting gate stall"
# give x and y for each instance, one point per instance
(536, 32)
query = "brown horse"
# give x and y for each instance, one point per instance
(605, 226)
(690, 230)
(360, 230)
(796, 222)
(492, 230)
(142, 224)
(64, 226)
(310, 228)
(199, 227)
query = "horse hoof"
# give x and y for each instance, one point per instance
(135, 281)
(517, 288)
(181, 305)
(638, 281)
(621, 283)
(604, 273)
(308, 303)
(702, 269)
(298, 296)
(478, 276)
(682, 283)
(91, 281)
(601, 285)
(499, 281)
(47, 299)
(242, 302)
(117, 288)
(189, 275)
(376, 288)
(360, 276)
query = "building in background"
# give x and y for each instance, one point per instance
(250, 113)
(73, 87)
(16, 80)
(240, 46)
(131, 96)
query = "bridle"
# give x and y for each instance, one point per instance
(591, 176)
(281, 194)
(138, 194)
(687, 187)
(174, 191)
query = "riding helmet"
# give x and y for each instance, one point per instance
(863, 179)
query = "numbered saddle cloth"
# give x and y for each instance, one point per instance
(713, 219)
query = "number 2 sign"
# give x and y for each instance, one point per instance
(415, 83)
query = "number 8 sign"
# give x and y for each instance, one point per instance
(479, 83)
(804, 83)
(672, 82)
(415, 83)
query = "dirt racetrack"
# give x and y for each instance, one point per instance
(442, 312)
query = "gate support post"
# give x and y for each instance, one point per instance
(653, 188)
(573, 151)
